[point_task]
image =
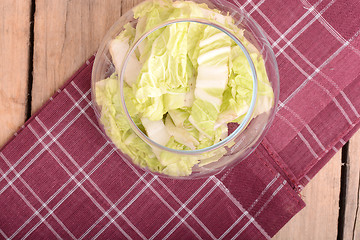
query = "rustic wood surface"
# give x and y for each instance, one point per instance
(67, 33)
(14, 63)
(319, 219)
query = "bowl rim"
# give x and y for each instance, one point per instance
(240, 17)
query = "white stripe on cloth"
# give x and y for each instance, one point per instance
(252, 205)
(165, 203)
(95, 125)
(312, 133)
(136, 172)
(289, 42)
(192, 210)
(183, 206)
(2, 233)
(83, 110)
(31, 207)
(332, 30)
(341, 92)
(40, 152)
(336, 34)
(322, 20)
(61, 188)
(336, 102)
(44, 205)
(125, 207)
(169, 207)
(299, 134)
(55, 125)
(310, 78)
(242, 6)
(174, 212)
(101, 193)
(241, 208)
(77, 183)
(309, 10)
(117, 203)
(255, 7)
(259, 211)
(306, 126)
(316, 70)
(269, 200)
(349, 103)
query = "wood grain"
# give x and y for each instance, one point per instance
(66, 34)
(319, 219)
(14, 63)
(128, 4)
(352, 212)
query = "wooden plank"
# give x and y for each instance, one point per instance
(66, 34)
(14, 52)
(352, 212)
(319, 219)
(128, 4)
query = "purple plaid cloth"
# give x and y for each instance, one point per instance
(60, 178)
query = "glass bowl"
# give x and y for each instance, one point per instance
(243, 136)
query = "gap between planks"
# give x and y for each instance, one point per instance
(351, 213)
(30, 61)
(343, 191)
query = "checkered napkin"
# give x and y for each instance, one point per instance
(60, 178)
(317, 46)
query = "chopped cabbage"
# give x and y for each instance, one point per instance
(183, 85)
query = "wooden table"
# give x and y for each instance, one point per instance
(42, 43)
